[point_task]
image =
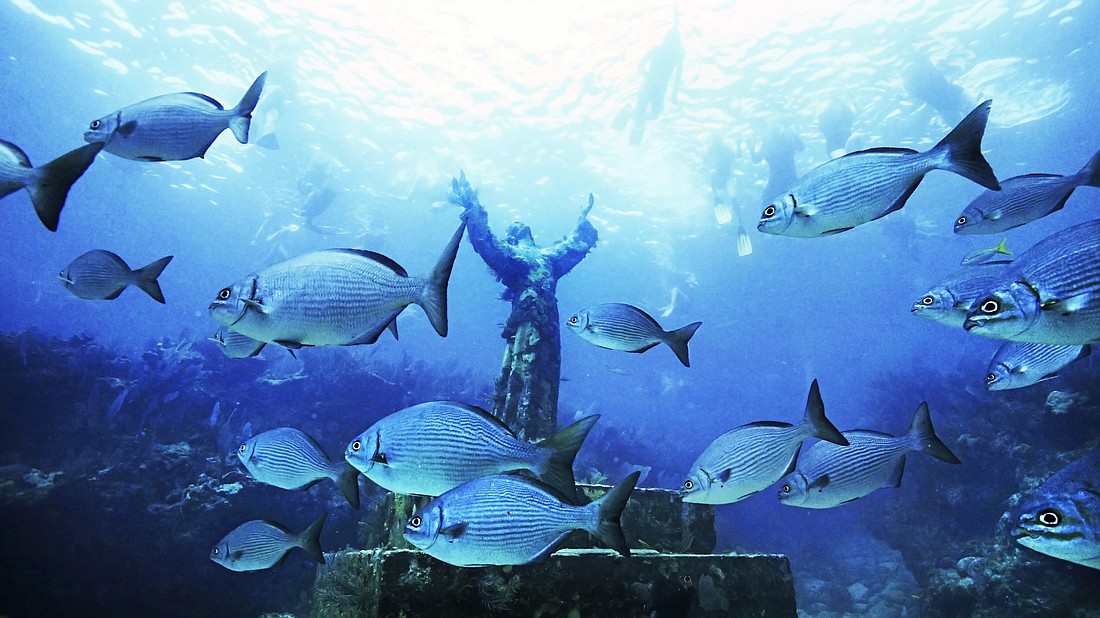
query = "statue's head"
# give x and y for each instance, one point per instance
(519, 233)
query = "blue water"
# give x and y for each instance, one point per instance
(396, 100)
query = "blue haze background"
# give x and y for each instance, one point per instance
(522, 97)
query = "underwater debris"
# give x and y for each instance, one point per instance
(1063, 402)
(498, 593)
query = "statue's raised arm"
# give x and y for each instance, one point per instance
(569, 251)
(497, 255)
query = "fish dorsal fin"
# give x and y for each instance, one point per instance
(768, 424)
(454, 531)
(22, 156)
(881, 150)
(794, 460)
(868, 432)
(376, 257)
(1040, 175)
(645, 316)
(205, 97)
(485, 415)
(820, 482)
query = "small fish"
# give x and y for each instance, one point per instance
(1062, 517)
(116, 405)
(333, 297)
(215, 414)
(1023, 199)
(866, 185)
(48, 185)
(504, 520)
(258, 544)
(828, 475)
(987, 256)
(173, 127)
(102, 275)
(618, 326)
(433, 447)
(949, 302)
(289, 459)
(1050, 294)
(236, 345)
(751, 457)
(1016, 365)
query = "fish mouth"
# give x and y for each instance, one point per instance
(1022, 533)
(970, 324)
(65, 280)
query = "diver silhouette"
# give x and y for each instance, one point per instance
(777, 150)
(661, 65)
(924, 81)
(526, 394)
(718, 166)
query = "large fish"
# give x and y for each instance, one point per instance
(504, 519)
(618, 326)
(173, 127)
(289, 459)
(1049, 294)
(433, 447)
(333, 297)
(1023, 199)
(1062, 517)
(1016, 365)
(828, 475)
(865, 185)
(102, 275)
(258, 544)
(49, 184)
(751, 457)
(949, 302)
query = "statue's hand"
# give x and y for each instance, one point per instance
(462, 194)
(588, 209)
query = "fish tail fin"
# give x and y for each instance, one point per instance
(821, 427)
(1091, 171)
(54, 179)
(924, 436)
(561, 450)
(348, 482)
(310, 539)
(1002, 247)
(433, 299)
(242, 114)
(962, 149)
(146, 278)
(610, 508)
(678, 341)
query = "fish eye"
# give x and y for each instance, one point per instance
(960, 221)
(990, 306)
(927, 301)
(786, 489)
(355, 446)
(991, 378)
(224, 294)
(94, 126)
(241, 449)
(689, 484)
(769, 211)
(687, 579)
(415, 521)
(573, 320)
(215, 552)
(1049, 517)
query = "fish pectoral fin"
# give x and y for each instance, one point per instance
(380, 458)
(1066, 306)
(805, 211)
(836, 231)
(236, 555)
(126, 129)
(454, 530)
(820, 482)
(993, 215)
(258, 305)
(724, 475)
(290, 345)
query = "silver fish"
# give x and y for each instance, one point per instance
(289, 459)
(433, 447)
(866, 185)
(1062, 517)
(48, 185)
(618, 326)
(504, 519)
(102, 275)
(828, 475)
(173, 127)
(949, 302)
(751, 457)
(1023, 199)
(988, 256)
(1050, 294)
(236, 345)
(1016, 365)
(333, 297)
(258, 544)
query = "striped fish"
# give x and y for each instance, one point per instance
(259, 544)
(433, 447)
(1062, 517)
(865, 185)
(751, 457)
(618, 326)
(504, 520)
(173, 127)
(1023, 199)
(102, 275)
(1016, 365)
(289, 459)
(1050, 294)
(333, 297)
(48, 185)
(949, 302)
(986, 256)
(828, 475)
(236, 345)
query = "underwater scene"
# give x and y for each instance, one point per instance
(721, 308)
